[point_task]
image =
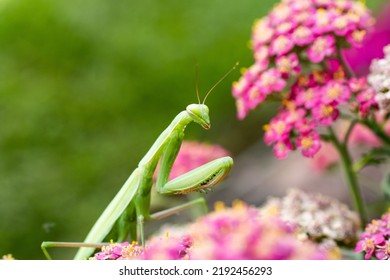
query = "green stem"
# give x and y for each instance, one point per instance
(344, 63)
(377, 129)
(350, 177)
(349, 131)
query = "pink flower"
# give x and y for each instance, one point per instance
(375, 240)
(335, 92)
(342, 24)
(262, 33)
(277, 130)
(322, 21)
(282, 148)
(383, 252)
(368, 245)
(325, 114)
(305, 126)
(168, 248)
(242, 108)
(309, 144)
(322, 47)
(308, 97)
(281, 45)
(288, 64)
(271, 80)
(303, 36)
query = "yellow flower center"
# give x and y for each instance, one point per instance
(358, 35)
(284, 27)
(284, 65)
(387, 248)
(306, 142)
(319, 45)
(368, 244)
(340, 22)
(253, 93)
(219, 206)
(281, 11)
(301, 32)
(334, 92)
(281, 43)
(322, 17)
(279, 127)
(308, 95)
(326, 110)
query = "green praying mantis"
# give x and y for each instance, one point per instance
(130, 208)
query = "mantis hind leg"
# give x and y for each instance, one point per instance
(168, 212)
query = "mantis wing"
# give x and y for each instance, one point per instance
(109, 216)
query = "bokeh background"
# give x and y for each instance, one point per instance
(87, 86)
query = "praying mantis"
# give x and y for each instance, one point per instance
(130, 208)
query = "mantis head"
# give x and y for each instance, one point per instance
(200, 114)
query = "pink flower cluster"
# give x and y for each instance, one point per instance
(168, 248)
(375, 240)
(158, 248)
(239, 233)
(118, 251)
(314, 102)
(235, 233)
(294, 37)
(193, 154)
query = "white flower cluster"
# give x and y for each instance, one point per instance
(316, 216)
(379, 79)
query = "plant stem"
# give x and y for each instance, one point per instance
(344, 63)
(377, 129)
(349, 131)
(350, 176)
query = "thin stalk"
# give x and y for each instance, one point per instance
(344, 63)
(350, 177)
(349, 131)
(377, 129)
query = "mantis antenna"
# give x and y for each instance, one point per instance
(220, 80)
(196, 82)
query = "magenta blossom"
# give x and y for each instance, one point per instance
(375, 240)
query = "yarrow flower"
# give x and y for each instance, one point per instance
(316, 217)
(157, 248)
(118, 251)
(168, 248)
(240, 232)
(375, 240)
(379, 79)
(193, 154)
(297, 34)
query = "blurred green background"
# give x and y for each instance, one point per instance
(85, 89)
